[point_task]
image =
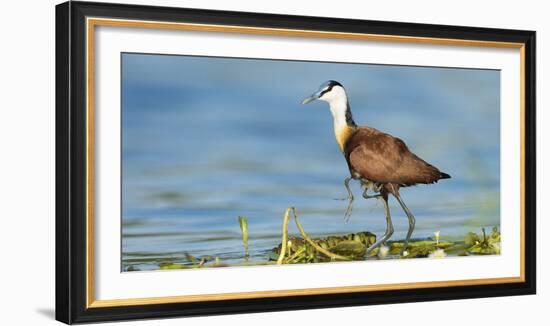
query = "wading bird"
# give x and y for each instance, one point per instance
(380, 162)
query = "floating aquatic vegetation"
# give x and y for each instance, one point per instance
(485, 245)
(383, 251)
(438, 253)
(166, 266)
(132, 268)
(352, 246)
(347, 247)
(194, 262)
(418, 248)
(307, 250)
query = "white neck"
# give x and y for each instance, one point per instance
(338, 108)
(338, 101)
(341, 115)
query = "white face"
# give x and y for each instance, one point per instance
(336, 97)
(337, 93)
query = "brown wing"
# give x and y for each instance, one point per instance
(382, 158)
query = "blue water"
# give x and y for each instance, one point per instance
(206, 140)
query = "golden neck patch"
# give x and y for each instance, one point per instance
(342, 134)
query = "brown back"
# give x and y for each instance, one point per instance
(382, 158)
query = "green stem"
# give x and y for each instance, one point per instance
(243, 223)
(285, 237)
(312, 243)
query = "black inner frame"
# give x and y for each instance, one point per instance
(71, 162)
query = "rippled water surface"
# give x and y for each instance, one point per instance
(206, 140)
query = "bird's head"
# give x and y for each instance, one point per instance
(329, 91)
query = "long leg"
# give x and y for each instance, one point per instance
(349, 198)
(411, 218)
(389, 225)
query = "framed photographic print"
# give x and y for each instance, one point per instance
(199, 155)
